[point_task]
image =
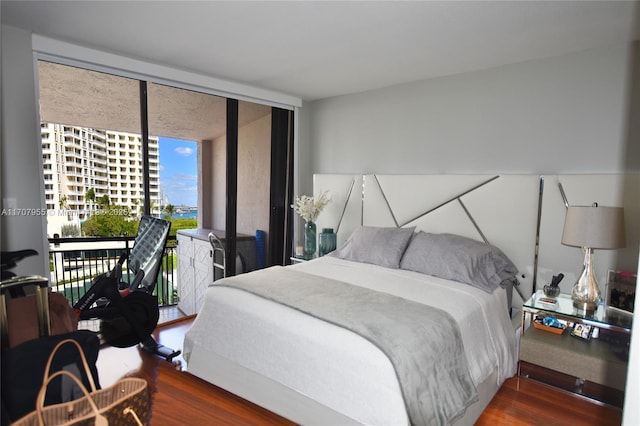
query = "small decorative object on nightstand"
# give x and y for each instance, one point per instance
(582, 331)
(309, 239)
(592, 227)
(551, 291)
(327, 241)
(550, 324)
(309, 208)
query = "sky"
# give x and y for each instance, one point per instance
(179, 171)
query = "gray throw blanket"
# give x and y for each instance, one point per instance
(422, 342)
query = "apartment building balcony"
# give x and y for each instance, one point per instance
(98, 142)
(72, 171)
(72, 159)
(73, 194)
(70, 132)
(71, 141)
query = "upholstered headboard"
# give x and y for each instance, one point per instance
(521, 214)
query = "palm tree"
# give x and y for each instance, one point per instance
(63, 202)
(136, 210)
(104, 201)
(90, 196)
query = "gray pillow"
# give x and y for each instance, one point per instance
(458, 258)
(380, 246)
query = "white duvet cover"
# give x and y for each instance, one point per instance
(336, 367)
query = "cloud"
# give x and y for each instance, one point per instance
(180, 188)
(184, 177)
(185, 151)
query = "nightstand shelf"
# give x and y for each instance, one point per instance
(301, 259)
(594, 368)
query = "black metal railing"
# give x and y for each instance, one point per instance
(74, 262)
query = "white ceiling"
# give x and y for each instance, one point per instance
(319, 49)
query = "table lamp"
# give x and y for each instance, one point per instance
(591, 227)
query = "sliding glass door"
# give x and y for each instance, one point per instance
(169, 151)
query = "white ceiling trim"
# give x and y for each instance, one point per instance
(58, 51)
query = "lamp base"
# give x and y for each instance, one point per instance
(585, 306)
(586, 292)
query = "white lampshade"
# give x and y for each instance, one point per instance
(594, 227)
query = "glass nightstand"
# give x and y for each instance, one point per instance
(595, 367)
(603, 317)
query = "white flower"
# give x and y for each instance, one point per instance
(309, 207)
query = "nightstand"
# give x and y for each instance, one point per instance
(596, 368)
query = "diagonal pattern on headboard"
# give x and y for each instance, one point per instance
(502, 210)
(448, 195)
(344, 212)
(498, 209)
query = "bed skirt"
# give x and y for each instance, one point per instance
(291, 404)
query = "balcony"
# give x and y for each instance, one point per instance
(74, 262)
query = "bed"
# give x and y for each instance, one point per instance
(349, 377)
(279, 352)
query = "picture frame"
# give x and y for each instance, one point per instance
(582, 331)
(621, 290)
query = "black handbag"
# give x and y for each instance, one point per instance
(23, 368)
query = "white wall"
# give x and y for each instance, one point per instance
(631, 414)
(559, 115)
(21, 153)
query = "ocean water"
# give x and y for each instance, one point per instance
(185, 215)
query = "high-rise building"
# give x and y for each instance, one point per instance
(79, 159)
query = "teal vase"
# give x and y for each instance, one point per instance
(327, 241)
(309, 239)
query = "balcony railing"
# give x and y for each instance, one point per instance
(74, 262)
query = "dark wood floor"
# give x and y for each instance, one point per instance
(179, 398)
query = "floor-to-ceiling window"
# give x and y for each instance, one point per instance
(91, 145)
(124, 124)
